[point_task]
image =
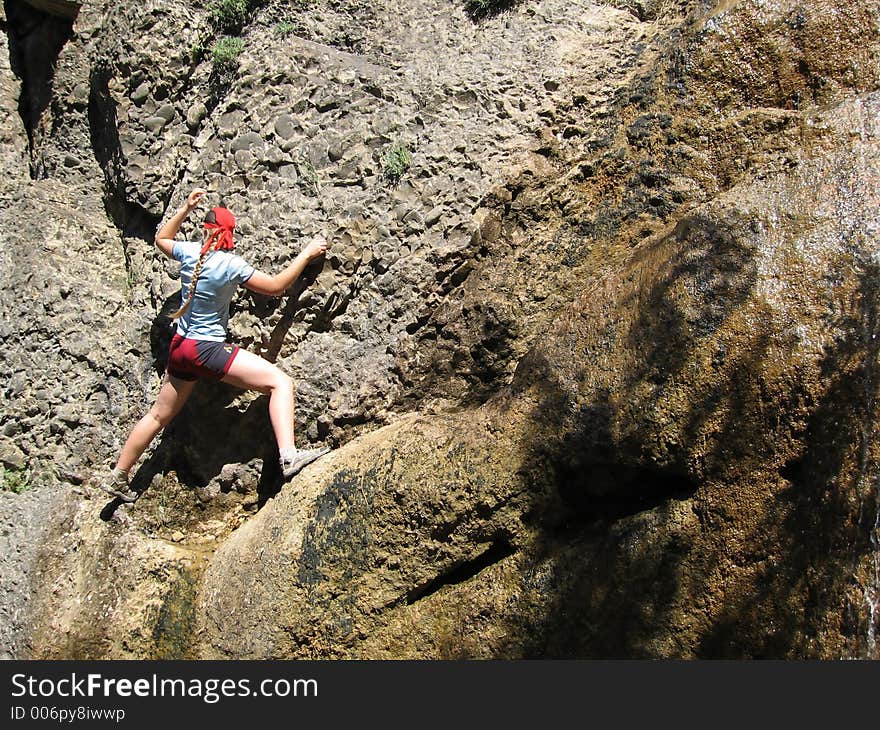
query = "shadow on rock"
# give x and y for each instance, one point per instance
(642, 420)
(825, 513)
(212, 430)
(698, 490)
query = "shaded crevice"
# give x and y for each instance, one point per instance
(335, 306)
(607, 492)
(495, 553)
(35, 42)
(130, 218)
(642, 10)
(263, 306)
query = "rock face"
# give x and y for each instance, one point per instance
(600, 363)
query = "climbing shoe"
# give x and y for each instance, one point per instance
(293, 460)
(117, 485)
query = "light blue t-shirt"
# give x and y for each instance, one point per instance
(222, 273)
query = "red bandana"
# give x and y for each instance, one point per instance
(221, 231)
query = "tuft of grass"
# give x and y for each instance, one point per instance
(15, 480)
(285, 28)
(290, 25)
(479, 9)
(226, 51)
(398, 158)
(229, 16)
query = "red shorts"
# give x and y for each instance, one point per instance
(193, 359)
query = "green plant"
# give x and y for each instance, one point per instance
(285, 27)
(478, 9)
(229, 15)
(197, 52)
(398, 158)
(226, 51)
(14, 480)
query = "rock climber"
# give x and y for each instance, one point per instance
(209, 277)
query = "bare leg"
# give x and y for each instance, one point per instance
(252, 372)
(173, 394)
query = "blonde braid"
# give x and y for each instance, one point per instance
(195, 277)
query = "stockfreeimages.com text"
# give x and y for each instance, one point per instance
(209, 690)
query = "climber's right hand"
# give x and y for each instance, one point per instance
(316, 247)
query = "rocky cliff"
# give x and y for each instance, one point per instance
(595, 341)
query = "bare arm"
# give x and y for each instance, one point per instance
(165, 235)
(275, 286)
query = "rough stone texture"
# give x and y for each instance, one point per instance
(13, 143)
(134, 572)
(666, 432)
(22, 534)
(601, 365)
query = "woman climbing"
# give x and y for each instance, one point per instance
(209, 277)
